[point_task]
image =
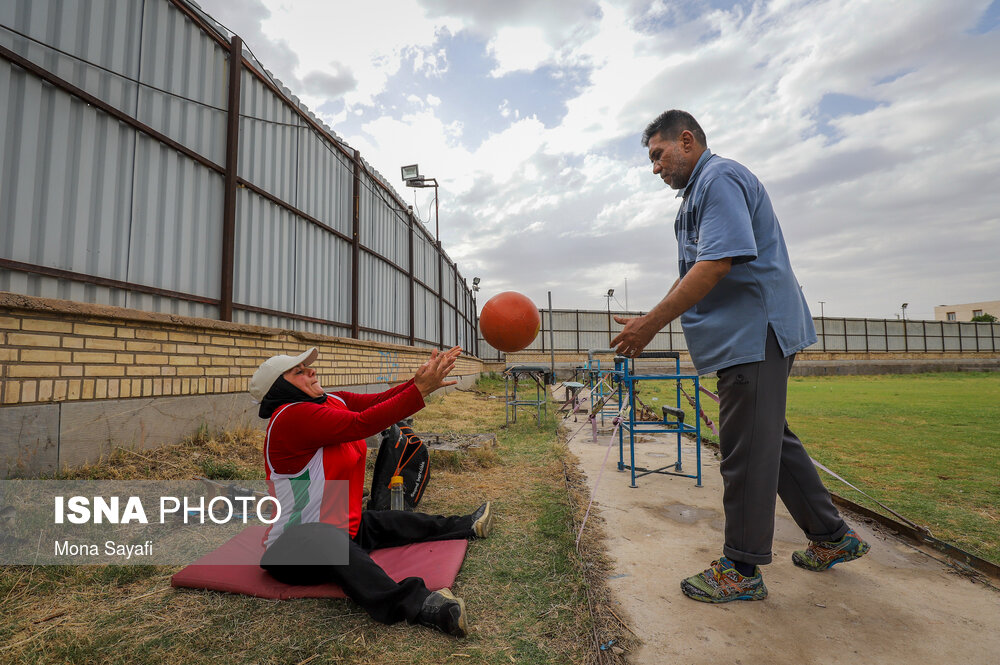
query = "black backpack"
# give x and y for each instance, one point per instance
(400, 453)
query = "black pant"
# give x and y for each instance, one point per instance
(762, 458)
(362, 579)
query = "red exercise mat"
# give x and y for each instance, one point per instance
(234, 568)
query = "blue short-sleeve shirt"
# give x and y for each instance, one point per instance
(727, 213)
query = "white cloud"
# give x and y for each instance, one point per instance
(900, 205)
(521, 48)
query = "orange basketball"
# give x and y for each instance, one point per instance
(509, 321)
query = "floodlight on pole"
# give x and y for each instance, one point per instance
(411, 176)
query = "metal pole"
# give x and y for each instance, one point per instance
(578, 331)
(552, 343)
(356, 249)
(409, 217)
(475, 312)
(232, 166)
(437, 225)
(475, 324)
(609, 319)
(440, 293)
(822, 322)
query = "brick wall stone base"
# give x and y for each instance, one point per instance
(77, 380)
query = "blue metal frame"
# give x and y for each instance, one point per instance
(625, 367)
(601, 380)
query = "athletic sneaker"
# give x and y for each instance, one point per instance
(821, 556)
(722, 583)
(482, 520)
(442, 610)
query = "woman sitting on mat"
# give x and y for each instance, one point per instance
(314, 450)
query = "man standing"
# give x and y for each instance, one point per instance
(744, 317)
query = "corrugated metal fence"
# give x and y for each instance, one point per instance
(138, 169)
(579, 331)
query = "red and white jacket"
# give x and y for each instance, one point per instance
(312, 443)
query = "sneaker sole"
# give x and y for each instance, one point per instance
(694, 593)
(462, 625)
(484, 525)
(798, 561)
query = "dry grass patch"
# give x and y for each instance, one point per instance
(530, 595)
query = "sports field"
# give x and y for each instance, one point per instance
(927, 445)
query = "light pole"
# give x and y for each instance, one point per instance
(905, 305)
(412, 178)
(821, 314)
(475, 313)
(609, 296)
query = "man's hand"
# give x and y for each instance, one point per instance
(430, 376)
(683, 295)
(638, 333)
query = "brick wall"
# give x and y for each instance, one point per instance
(78, 380)
(57, 351)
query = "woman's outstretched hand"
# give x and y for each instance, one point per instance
(430, 376)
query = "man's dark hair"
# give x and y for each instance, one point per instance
(670, 124)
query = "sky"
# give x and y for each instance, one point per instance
(874, 126)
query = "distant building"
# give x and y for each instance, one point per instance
(967, 311)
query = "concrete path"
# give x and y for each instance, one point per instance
(896, 605)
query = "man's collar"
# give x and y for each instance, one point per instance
(705, 156)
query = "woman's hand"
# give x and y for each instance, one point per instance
(430, 376)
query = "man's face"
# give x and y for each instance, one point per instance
(304, 378)
(671, 159)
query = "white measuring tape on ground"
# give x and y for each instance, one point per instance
(611, 442)
(919, 528)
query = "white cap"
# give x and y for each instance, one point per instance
(275, 366)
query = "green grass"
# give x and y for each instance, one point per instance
(525, 587)
(927, 445)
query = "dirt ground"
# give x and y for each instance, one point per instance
(896, 605)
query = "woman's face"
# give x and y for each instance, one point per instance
(304, 378)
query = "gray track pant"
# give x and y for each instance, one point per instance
(762, 458)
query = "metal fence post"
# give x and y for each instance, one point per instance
(229, 198)
(356, 249)
(440, 294)
(552, 340)
(578, 331)
(413, 332)
(475, 314)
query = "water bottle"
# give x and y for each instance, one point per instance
(396, 493)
